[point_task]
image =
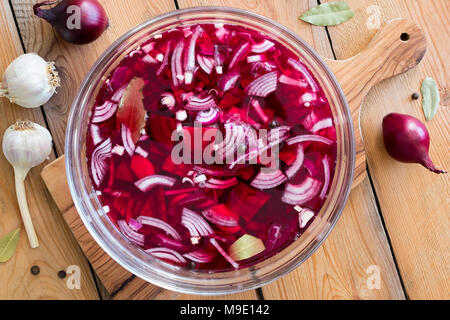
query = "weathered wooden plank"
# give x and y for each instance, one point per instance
(414, 201)
(338, 269)
(58, 248)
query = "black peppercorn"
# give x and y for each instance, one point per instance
(62, 274)
(415, 96)
(35, 270)
(273, 124)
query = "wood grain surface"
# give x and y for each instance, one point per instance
(414, 202)
(399, 210)
(58, 248)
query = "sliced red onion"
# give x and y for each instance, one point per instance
(221, 32)
(196, 225)
(176, 64)
(149, 59)
(199, 256)
(131, 235)
(148, 47)
(228, 81)
(218, 60)
(219, 219)
(223, 253)
(135, 225)
(206, 63)
(165, 59)
(99, 165)
(297, 164)
(158, 223)
(104, 112)
(264, 85)
(259, 110)
(149, 182)
(301, 193)
(119, 150)
(208, 117)
(322, 124)
(304, 215)
(305, 73)
(307, 98)
(255, 58)
(262, 46)
(326, 173)
(127, 140)
(95, 133)
(292, 82)
(238, 54)
(119, 93)
(268, 180)
(141, 152)
(308, 138)
(167, 254)
(187, 31)
(189, 56)
(197, 104)
(221, 184)
(181, 115)
(168, 100)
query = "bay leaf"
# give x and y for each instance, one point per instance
(430, 98)
(246, 247)
(8, 244)
(131, 110)
(328, 14)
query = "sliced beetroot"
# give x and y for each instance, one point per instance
(141, 166)
(161, 128)
(246, 201)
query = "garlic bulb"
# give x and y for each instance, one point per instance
(29, 81)
(26, 145)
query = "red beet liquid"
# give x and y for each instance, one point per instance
(232, 80)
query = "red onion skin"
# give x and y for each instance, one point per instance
(406, 139)
(93, 20)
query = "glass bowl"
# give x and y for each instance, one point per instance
(134, 259)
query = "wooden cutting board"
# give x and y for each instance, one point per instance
(396, 48)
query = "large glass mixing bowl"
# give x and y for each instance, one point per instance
(134, 259)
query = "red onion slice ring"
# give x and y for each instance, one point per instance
(167, 254)
(131, 235)
(149, 182)
(158, 223)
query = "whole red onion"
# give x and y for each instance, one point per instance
(407, 140)
(76, 21)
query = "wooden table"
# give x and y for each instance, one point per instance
(396, 220)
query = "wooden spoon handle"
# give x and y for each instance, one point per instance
(397, 47)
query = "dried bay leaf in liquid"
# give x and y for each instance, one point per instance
(131, 110)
